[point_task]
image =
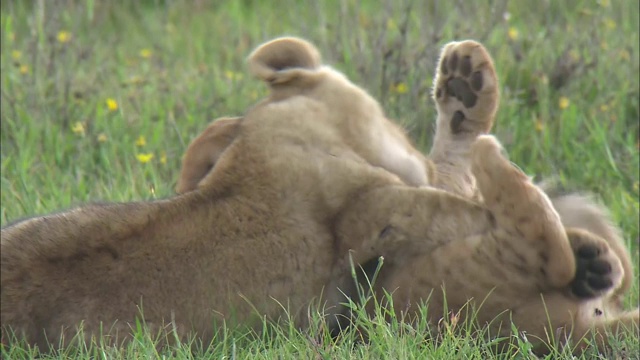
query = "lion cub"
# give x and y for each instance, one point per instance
(294, 198)
(256, 241)
(467, 97)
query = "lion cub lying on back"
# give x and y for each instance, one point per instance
(292, 200)
(258, 238)
(467, 99)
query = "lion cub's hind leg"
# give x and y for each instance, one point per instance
(466, 93)
(522, 211)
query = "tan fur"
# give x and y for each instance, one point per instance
(204, 151)
(580, 211)
(452, 154)
(316, 176)
(256, 239)
(489, 273)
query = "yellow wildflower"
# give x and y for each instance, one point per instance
(604, 3)
(400, 88)
(610, 23)
(574, 55)
(64, 36)
(163, 158)
(145, 53)
(604, 107)
(24, 69)
(364, 21)
(16, 54)
(144, 158)
(230, 75)
(624, 55)
(102, 137)
(586, 12)
(78, 128)
(112, 105)
(391, 25)
(544, 79)
(513, 33)
(539, 125)
(563, 102)
(141, 141)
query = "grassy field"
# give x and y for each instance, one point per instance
(100, 99)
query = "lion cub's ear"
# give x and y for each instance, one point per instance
(204, 151)
(285, 60)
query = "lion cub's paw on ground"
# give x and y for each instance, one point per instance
(598, 269)
(466, 88)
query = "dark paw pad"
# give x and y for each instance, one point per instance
(456, 122)
(476, 81)
(453, 61)
(593, 273)
(461, 90)
(465, 90)
(465, 66)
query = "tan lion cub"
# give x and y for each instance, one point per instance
(257, 240)
(466, 94)
(273, 227)
(498, 276)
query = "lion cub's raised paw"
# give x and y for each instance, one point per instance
(598, 269)
(465, 88)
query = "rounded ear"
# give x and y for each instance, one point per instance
(284, 59)
(204, 151)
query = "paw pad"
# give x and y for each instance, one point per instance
(466, 74)
(593, 273)
(461, 90)
(456, 121)
(463, 86)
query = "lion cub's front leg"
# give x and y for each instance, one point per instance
(520, 207)
(454, 239)
(466, 94)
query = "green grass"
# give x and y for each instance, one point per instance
(172, 67)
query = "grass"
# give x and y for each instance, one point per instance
(100, 99)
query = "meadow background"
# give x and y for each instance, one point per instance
(100, 99)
